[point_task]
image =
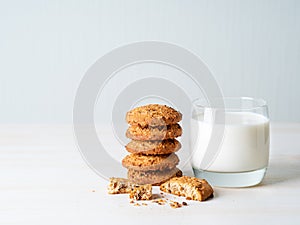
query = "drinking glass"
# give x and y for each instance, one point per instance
(230, 140)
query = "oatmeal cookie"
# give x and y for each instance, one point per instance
(152, 177)
(154, 133)
(153, 147)
(150, 162)
(153, 115)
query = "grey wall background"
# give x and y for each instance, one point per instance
(252, 47)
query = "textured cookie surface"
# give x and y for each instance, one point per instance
(154, 133)
(150, 162)
(120, 185)
(153, 115)
(152, 177)
(142, 192)
(190, 187)
(153, 147)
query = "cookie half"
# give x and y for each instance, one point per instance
(154, 133)
(190, 187)
(153, 147)
(153, 115)
(150, 162)
(152, 177)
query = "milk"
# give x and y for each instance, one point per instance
(245, 144)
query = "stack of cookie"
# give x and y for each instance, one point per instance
(153, 131)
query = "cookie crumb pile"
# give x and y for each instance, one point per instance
(153, 129)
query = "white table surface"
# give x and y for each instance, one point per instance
(44, 180)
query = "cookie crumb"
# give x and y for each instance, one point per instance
(160, 201)
(131, 202)
(184, 203)
(137, 204)
(145, 204)
(174, 204)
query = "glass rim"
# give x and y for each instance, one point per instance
(261, 103)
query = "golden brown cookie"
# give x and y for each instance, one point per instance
(150, 162)
(152, 177)
(153, 115)
(153, 147)
(154, 133)
(190, 187)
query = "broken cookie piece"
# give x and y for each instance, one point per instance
(120, 186)
(190, 187)
(142, 192)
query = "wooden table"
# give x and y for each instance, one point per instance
(44, 180)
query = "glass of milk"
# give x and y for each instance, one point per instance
(230, 140)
